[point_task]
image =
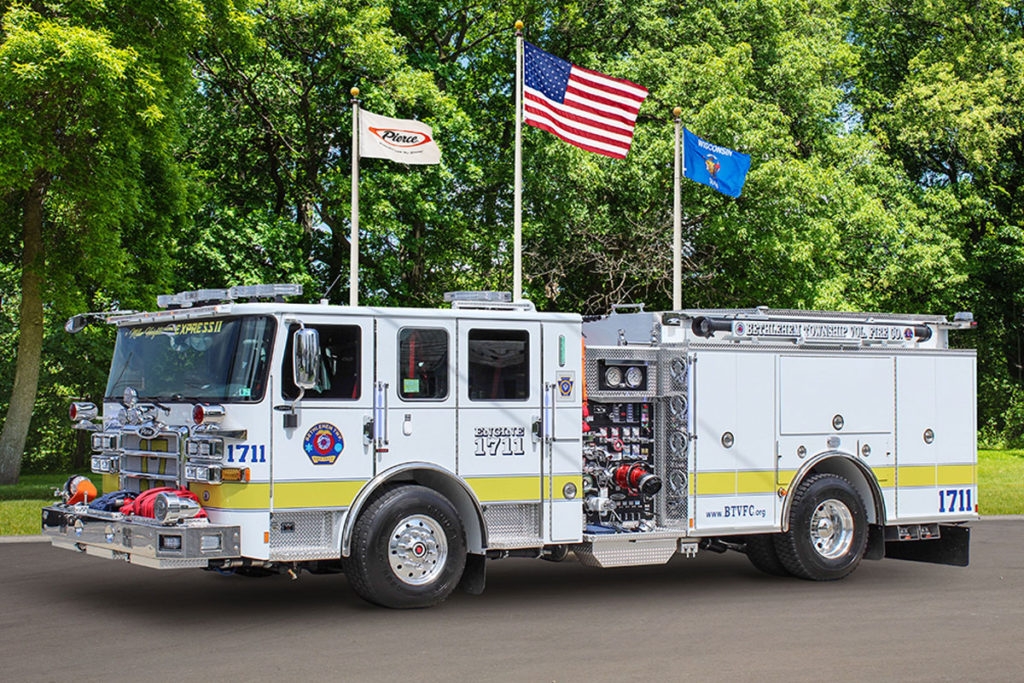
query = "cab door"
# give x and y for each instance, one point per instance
(499, 395)
(415, 391)
(320, 456)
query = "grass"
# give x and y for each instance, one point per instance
(1001, 482)
(1000, 492)
(21, 517)
(34, 486)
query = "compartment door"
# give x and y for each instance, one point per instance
(734, 455)
(936, 455)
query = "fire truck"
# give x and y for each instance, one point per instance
(407, 446)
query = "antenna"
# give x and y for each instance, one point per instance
(323, 297)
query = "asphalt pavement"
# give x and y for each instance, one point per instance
(70, 617)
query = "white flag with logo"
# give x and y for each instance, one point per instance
(405, 140)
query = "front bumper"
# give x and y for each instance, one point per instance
(139, 540)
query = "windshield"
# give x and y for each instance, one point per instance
(224, 359)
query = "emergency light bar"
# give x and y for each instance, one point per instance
(203, 296)
(481, 296)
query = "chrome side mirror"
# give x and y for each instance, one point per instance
(76, 324)
(305, 357)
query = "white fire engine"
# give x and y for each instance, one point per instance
(407, 446)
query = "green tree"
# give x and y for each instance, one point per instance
(270, 136)
(825, 221)
(941, 85)
(87, 124)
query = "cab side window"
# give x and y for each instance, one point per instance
(340, 363)
(499, 365)
(422, 364)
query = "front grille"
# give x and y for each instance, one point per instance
(148, 463)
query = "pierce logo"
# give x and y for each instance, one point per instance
(400, 138)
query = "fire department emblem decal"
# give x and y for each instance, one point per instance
(323, 444)
(566, 383)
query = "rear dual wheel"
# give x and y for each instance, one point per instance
(828, 530)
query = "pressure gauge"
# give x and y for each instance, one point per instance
(613, 376)
(634, 376)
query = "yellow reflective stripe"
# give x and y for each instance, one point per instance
(937, 475)
(755, 482)
(917, 475)
(233, 496)
(499, 489)
(786, 478)
(957, 475)
(886, 476)
(559, 481)
(715, 483)
(315, 494)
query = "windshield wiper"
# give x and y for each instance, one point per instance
(124, 367)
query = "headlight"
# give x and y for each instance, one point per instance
(104, 465)
(634, 376)
(203, 474)
(104, 442)
(613, 377)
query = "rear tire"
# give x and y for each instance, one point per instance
(408, 549)
(762, 554)
(828, 530)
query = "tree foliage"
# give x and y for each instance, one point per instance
(88, 116)
(886, 139)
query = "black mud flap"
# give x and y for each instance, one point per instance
(952, 547)
(474, 576)
(876, 542)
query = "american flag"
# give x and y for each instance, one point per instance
(585, 108)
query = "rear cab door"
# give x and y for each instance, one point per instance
(499, 453)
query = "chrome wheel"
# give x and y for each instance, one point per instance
(832, 529)
(417, 550)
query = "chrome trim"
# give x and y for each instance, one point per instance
(84, 411)
(831, 531)
(801, 474)
(418, 550)
(113, 535)
(364, 495)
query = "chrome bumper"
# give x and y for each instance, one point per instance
(114, 536)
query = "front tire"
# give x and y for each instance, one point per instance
(408, 549)
(828, 530)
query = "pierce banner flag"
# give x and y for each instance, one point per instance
(585, 108)
(405, 140)
(713, 165)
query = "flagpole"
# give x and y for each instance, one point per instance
(677, 299)
(517, 258)
(353, 241)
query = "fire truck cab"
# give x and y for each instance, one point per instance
(406, 446)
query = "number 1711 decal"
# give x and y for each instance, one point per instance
(955, 500)
(255, 452)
